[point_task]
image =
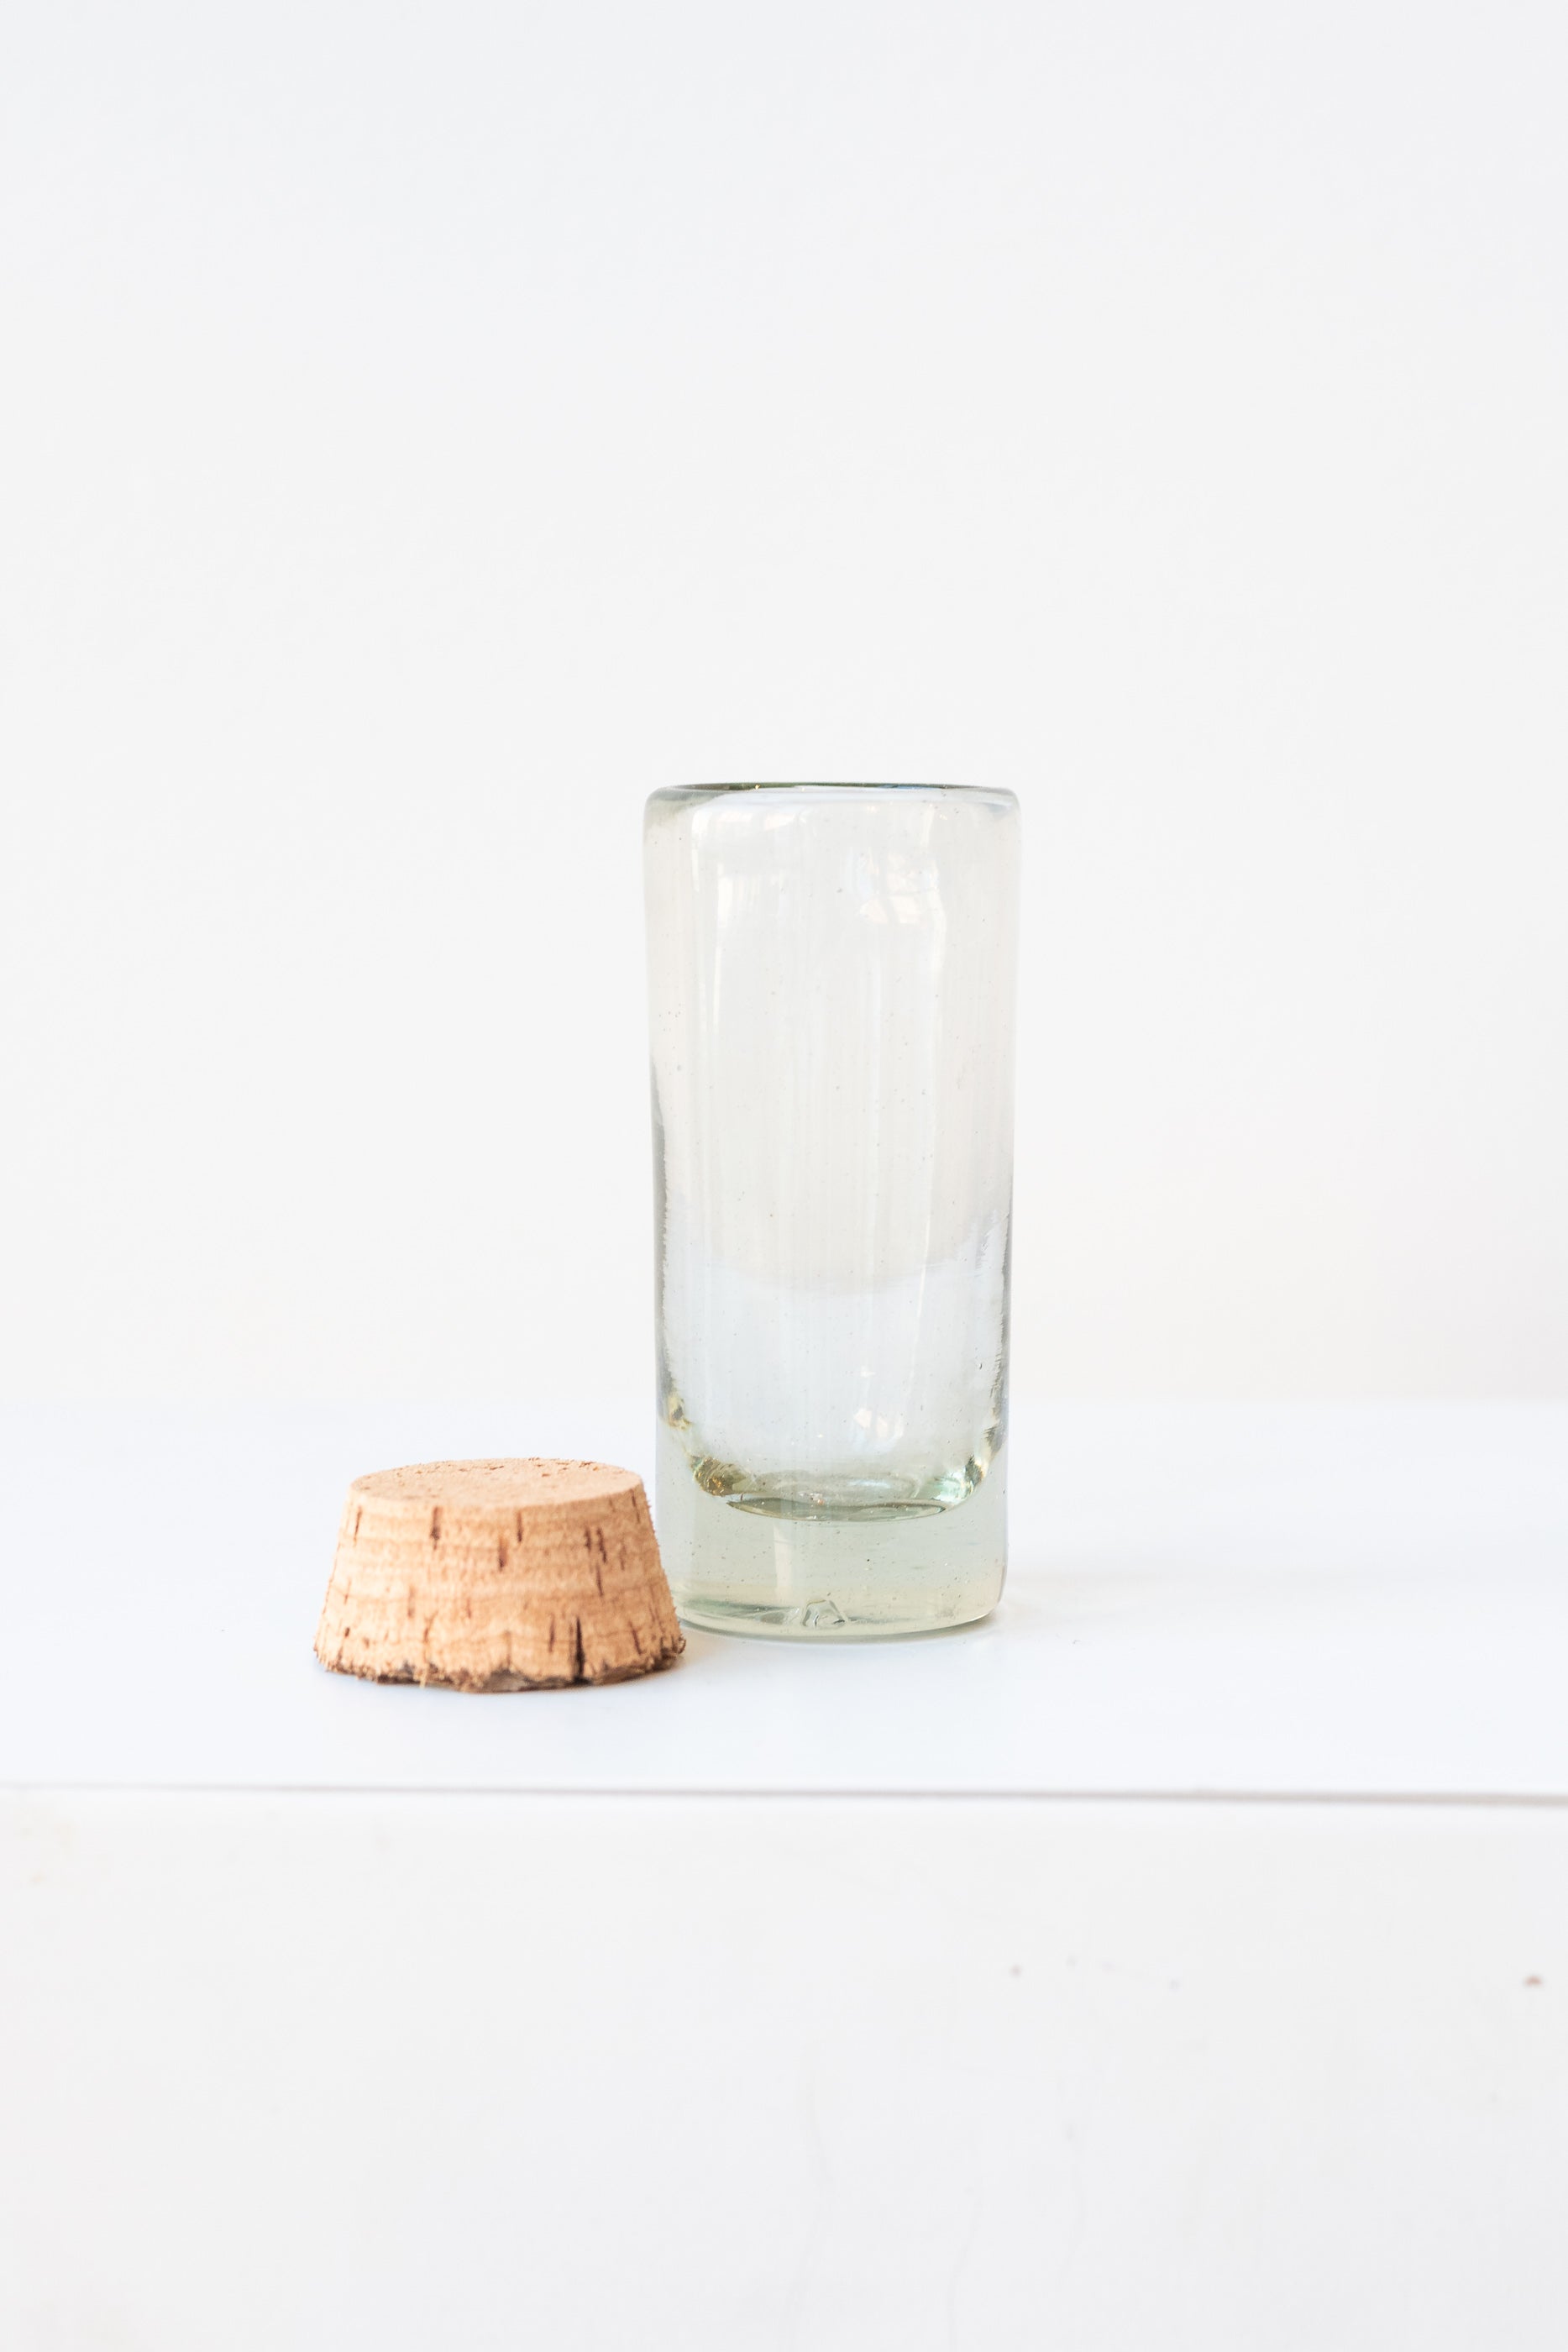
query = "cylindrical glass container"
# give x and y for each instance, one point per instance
(831, 980)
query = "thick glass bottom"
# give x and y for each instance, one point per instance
(738, 1570)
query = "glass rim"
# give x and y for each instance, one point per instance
(832, 784)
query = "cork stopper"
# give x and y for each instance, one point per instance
(497, 1576)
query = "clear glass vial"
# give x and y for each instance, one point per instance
(831, 983)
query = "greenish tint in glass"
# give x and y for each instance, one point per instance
(832, 983)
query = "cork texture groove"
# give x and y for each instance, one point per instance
(497, 1576)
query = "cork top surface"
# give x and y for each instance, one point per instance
(530, 1484)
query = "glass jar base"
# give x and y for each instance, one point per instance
(809, 1622)
(737, 1571)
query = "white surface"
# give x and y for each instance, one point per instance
(1248, 1599)
(584, 2074)
(297, 2050)
(422, 430)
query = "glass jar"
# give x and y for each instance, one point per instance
(832, 985)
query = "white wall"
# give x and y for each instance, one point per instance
(425, 430)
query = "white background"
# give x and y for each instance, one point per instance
(426, 429)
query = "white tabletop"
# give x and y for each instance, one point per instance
(1237, 1600)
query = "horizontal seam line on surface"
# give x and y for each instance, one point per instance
(1412, 1798)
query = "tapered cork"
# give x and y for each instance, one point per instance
(497, 1576)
